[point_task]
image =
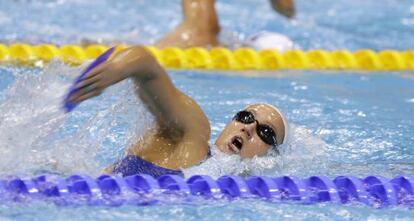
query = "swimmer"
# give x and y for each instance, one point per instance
(200, 27)
(180, 138)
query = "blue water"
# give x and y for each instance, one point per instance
(354, 123)
(343, 24)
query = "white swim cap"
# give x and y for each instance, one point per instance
(284, 120)
(269, 40)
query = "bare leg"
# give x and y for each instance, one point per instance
(284, 7)
(199, 26)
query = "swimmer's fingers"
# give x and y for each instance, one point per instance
(85, 90)
(88, 95)
(86, 82)
(97, 70)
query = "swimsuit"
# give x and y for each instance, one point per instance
(132, 164)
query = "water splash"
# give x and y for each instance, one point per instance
(36, 136)
(302, 152)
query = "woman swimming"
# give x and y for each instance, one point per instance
(180, 139)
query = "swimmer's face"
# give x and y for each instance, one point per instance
(245, 139)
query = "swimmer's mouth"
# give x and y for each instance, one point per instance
(236, 144)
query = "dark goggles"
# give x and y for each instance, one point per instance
(265, 132)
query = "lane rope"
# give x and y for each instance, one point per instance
(113, 190)
(222, 58)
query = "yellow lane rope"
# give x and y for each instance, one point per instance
(222, 58)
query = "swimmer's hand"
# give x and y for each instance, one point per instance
(95, 82)
(131, 61)
(284, 7)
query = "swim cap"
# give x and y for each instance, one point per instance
(284, 120)
(269, 40)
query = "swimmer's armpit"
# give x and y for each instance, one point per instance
(284, 7)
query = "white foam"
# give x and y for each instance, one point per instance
(36, 135)
(302, 152)
(270, 40)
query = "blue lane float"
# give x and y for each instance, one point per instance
(112, 190)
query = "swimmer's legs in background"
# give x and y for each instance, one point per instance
(284, 7)
(199, 27)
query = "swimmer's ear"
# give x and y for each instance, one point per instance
(284, 7)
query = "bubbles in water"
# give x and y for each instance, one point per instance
(30, 113)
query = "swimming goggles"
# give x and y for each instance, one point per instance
(265, 132)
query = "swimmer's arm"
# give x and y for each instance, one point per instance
(178, 116)
(284, 7)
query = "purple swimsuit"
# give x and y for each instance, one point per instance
(132, 164)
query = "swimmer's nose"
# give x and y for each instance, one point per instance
(249, 129)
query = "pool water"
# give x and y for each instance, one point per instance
(345, 24)
(341, 123)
